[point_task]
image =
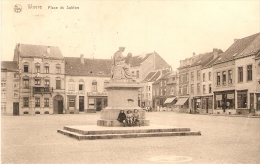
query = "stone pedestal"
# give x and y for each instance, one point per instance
(121, 96)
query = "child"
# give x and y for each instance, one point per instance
(129, 117)
(136, 116)
(122, 117)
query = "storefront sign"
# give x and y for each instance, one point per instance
(218, 97)
(97, 93)
(90, 101)
(230, 96)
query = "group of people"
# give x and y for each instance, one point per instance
(129, 118)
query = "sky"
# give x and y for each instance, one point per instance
(174, 29)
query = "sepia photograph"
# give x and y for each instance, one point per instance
(107, 81)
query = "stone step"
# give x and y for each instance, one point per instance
(91, 130)
(126, 135)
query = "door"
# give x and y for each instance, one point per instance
(81, 103)
(207, 105)
(99, 104)
(16, 108)
(60, 107)
(252, 102)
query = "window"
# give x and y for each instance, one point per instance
(241, 99)
(46, 69)
(94, 86)
(16, 76)
(16, 94)
(180, 89)
(25, 68)
(149, 88)
(172, 91)
(37, 68)
(198, 75)
(240, 74)
(203, 76)
(161, 84)
(209, 76)
(192, 76)
(3, 107)
(218, 78)
(137, 74)
(46, 82)
(180, 79)
(46, 102)
(230, 77)
(204, 89)
(3, 94)
(224, 78)
(3, 84)
(71, 85)
(37, 101)
(58, 69)
(26, 83)
(187, 77)
(16, 85)
(210, 90)
(26, 102)
(58, 84)
(154, 92)
(164, 92)
(249, 73)
(37, 81)
(192, 88)
(161, 93)
(80, 87)
(184, 89)
(198, 88)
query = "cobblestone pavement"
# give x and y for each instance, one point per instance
(34, 139)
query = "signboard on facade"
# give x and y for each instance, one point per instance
(230, 96)
(97, 93)
(218, 97)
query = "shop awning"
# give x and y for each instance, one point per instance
(169, 100)
(181, 101)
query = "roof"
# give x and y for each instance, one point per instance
(28, 50)
(91, 67)
(165, 76)
(149, 76)
(137, 60)
(241, 47)
(9, 66)
(155, 77)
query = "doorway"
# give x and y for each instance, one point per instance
(58, 104)
(252, 102)
(99, 104)
(16, 108)
(81, 103)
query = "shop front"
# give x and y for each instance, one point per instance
(242, 104)
(183, 104)
(257, 103)
(96, 101)
(196, 104)
(207, 104)
(224, 102)
(170, 103)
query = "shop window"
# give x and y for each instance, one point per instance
(230, 101)
(198, 75)
(94, 86)
(37, 102)
(210, 89)
(242, 99)
(230, 76)
(46, 69)
(198, 88)
(26, 102)
(203, 76)
(209, 76)
(46, 102)
(240, 74)
(71, 102)
(249, 73)
(224, 78)
(204, 89)
(37, 81)
(37, 68)
(192, 88)
(26, 68)
(192, 76)
(26, 83)
(219, 102)
(218, 78)
(46, 82)
(58, 84)
(58, 68)
(71, 85)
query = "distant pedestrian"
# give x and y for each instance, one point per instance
(122, 117)
(129, 118)
(136, 116)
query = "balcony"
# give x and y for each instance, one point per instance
(42, 90)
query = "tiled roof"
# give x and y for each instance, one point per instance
(202, 59)
(28, 50)
(137, 60)
(9, 66)
(242, 46)
(156, 76)
(149, 76)
(91, 67)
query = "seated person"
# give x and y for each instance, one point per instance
(122, 117)
(129, 118)
(136, 116)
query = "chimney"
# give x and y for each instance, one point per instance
(82, 59)
(235, 40)
(48, 49)
(216, 52)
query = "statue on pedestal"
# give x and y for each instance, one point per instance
(120, 66)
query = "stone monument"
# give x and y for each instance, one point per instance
(122, 92)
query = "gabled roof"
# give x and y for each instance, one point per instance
(9, 66)
(137, 60)
(155, 77)
(149, 76)
(28, 50)
(91, 67)
(241, 46)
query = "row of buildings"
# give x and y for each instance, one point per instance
(215, 82)
(40, 80)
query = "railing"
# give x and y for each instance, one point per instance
(42, 90)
